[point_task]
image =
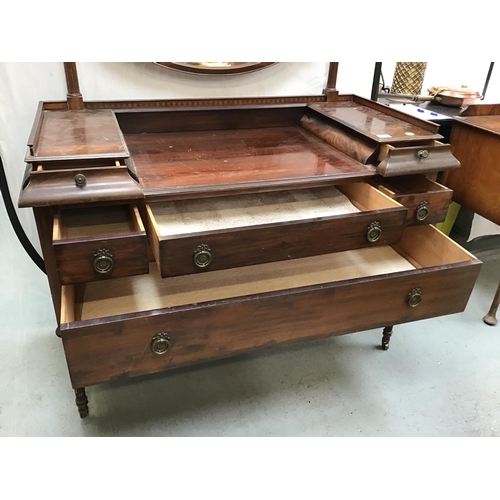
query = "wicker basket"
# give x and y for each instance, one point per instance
(408, 78)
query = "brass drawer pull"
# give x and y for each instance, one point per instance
(414, 297)
(202, 256)
(160, 343)
(422, 154)
(103, 261)
(374, 232)
(422, 211)
(80, 180)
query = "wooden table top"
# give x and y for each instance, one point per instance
(204, 159)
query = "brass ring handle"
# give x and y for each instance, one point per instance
(422, 154)
(103, 261)
(414, 297)
(374, 232)
(202, 256)
(422, 211)
(160, 343)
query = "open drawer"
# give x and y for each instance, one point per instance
(93, 244)
(427, 201)
(145, 324)
(212, 234)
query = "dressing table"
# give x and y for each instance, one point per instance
(180, 231)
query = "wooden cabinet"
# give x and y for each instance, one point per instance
(199, 232)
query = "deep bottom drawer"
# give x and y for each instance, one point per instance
(113, 329)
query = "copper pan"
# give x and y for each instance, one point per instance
(456, 97)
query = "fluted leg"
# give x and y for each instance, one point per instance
(491, 317)
(386, 337)
(82, 402)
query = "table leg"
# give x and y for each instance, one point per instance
(491, 317)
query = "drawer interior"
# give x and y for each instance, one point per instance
(410, 184)
(84, 223)
(184, 217)
(420, 247)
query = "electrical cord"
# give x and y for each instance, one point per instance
(14, 220)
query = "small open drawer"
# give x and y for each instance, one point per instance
(145, 324)
(427, 201)
(210, 234)
(422, 159)
(92, 244)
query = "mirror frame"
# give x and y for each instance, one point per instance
(239, 68)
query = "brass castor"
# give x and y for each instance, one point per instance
(385, 346)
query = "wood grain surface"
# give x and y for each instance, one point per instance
(215, 160)
(101, 350)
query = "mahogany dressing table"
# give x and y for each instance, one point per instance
(180, 231)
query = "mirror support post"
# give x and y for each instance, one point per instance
(74, 97)
(331, 91)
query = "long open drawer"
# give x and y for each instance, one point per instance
(145, 324)
(188, 236)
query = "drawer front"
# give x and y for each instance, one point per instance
(395, 161)
(99, 259)
(123, 346)
(427, 201)
(99, 244)
(255, 246)
(380, 221)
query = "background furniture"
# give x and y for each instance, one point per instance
(475, 141)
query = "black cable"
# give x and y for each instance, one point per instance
(376, 81)
(486, 83)
(14, 220)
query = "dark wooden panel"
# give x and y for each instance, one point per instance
(57, 187)
(479, 110)
(101, 350)
(75, 258)
(44, 218)
(274, 242)
(407, 160)
(178, 103)
(211, 161)
(77, 134)
(477, 184)
(359, 148)
(215, 118)
(378, 122)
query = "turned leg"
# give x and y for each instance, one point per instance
(58, 332)
(82, 402)
(491, 317)
(386, 337)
